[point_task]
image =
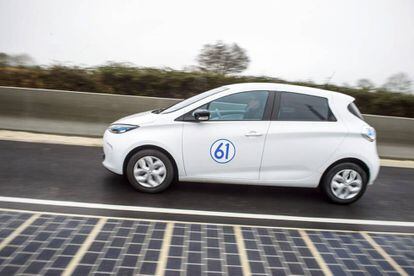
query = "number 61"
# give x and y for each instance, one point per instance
(219, 153)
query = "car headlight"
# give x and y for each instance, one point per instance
(121, 128)
(369, 133)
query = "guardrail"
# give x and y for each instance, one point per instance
(83, 113)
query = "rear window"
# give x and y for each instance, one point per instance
(301, 107)
(354, 110)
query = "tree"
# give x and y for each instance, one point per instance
(223, 58)
(22, 60)
(3, 59)
(15, 60)
(365, 84)
(399, 82)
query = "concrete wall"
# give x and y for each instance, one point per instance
(67, 112)
(392, 129)
(73, 106)
(81, 113)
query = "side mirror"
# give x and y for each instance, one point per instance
(201, 115)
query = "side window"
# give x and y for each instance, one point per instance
(300, 107)
(354, 110)
(243, 106)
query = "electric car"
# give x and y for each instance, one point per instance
(250, 133)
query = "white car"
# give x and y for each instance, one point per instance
(251, 133)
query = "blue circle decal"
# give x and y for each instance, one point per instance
(222, 151)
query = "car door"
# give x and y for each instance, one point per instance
(230, 144)
(303, 134)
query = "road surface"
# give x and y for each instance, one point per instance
(62, 213)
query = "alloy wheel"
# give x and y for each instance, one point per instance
(150, 171)
(346, 184)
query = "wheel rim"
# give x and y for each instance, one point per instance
(150, 171)
(346, 184)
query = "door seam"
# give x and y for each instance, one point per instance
(263, 149)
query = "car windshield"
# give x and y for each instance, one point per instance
(193, 99)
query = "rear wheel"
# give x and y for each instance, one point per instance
(150, 171)
(344, 183)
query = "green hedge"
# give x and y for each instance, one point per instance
(126, 80)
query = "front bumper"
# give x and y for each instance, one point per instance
(112, 160)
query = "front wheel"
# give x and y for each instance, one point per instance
(150, 171)
(344, 183)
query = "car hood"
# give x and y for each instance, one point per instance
(138, 119)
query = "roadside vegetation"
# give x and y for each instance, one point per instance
(119, 78)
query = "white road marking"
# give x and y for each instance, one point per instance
(203, 213)
(31, 137)
(162, 261)
(84, 248)
(201, 223)
(244, 261)
(384, 254)
(315, 253)
(18, 230)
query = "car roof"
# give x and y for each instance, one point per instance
(289, 88)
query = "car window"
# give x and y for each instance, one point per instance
(300, 107)
(354, 110)
(249, 106)
(193, 99)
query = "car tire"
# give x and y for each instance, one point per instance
(344, 183)
(144, 171)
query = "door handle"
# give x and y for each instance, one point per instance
(253, 134)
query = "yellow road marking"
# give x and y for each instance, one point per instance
(397, 163)
(22, 136)
(384, 254)
(162, 261)
(242, 251)
(84, 248)
(18, 230)
(315, 253)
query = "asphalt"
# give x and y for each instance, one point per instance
(75, 173)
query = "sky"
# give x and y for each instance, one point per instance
(341, 41)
